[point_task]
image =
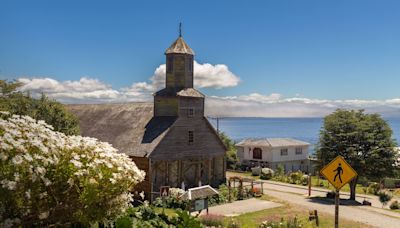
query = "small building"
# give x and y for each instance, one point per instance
(292, 154)
(170, 139)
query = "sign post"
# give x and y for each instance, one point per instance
(338, 172)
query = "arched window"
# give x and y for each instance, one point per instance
(257, 153)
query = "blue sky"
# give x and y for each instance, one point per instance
(324, 50)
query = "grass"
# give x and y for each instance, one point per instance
(288, 211)
(168, 211)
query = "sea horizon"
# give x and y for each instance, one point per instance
(302, 128)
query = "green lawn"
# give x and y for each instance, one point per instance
(253, 219)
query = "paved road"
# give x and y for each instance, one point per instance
(297, 195)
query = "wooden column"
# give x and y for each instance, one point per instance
(167, 173)
(179, 173)
(209, 171)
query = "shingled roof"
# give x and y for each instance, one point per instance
(130, 127)
(179, 47)
(272, 142)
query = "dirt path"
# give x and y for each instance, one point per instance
(297, 195)
(355, 213)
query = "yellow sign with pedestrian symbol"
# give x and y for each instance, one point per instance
(338, 172)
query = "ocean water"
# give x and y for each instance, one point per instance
(305, 129)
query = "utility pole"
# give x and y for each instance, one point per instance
(217, 120)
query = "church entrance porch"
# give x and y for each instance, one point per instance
(186, 173)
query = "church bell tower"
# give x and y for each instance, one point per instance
(179, 59)
(179, 97)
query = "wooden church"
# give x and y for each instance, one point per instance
(171, 139)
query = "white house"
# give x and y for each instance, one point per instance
(270, 152)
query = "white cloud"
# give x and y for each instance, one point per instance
(205, 76)
(274, 105)
(88, 90)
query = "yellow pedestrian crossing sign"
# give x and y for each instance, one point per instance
(338, 172)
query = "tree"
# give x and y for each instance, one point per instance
(364, 140)
(231, 156)
(51, 111)
(50, 179)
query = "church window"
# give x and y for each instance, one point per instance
(190, 112)
(257, 153)
(191, 137)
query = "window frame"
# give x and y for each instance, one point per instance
(190, 137)
(299, 150)
(284, 152)
(259, 150)
(190, 112)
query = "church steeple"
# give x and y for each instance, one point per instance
(179, 98)
(179, 59)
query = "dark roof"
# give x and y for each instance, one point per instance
(130, 127)
(179, 47)
(187, 92)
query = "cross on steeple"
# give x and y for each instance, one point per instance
(180, 29)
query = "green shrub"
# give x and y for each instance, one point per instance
(212, 220)
(304, 180)
(395, 205)
(391, 183)
(296, 177)
(222, 197)
(384, 197)
(49, 178)
(266, 173)
(171, 202)
(280, 170)
(373, 188)
(184, 219)
(145, 216)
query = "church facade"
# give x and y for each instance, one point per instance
(171, 139)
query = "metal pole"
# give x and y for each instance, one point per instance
(217, 125)
(337, 209)
(309, 185)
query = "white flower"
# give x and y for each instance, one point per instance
(43, 195)
(28, 194)
(17, 160)
(70, 182)
(28, 157)
(92, 181)
(76, 163)
(142, 195)
(44, 215)
(11, 185)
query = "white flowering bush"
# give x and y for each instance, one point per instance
(48, 178)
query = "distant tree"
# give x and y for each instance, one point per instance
(364, 140)
(231, 157)
(51, 111)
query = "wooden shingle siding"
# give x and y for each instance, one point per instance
(143, 164)
(175, 144)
